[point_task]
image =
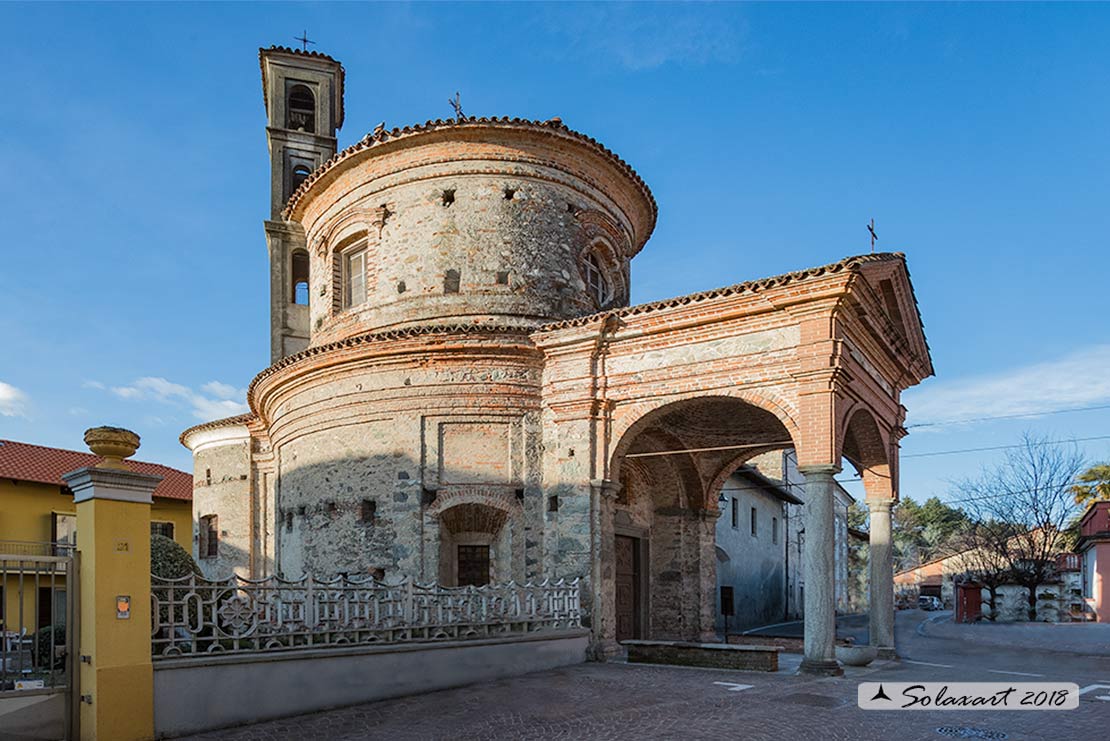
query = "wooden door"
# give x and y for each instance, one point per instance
(627, 587)
(473, 565)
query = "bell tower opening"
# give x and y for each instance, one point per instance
(303, 93)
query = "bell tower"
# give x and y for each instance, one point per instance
(303, 92)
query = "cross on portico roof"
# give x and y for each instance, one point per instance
(874, 236)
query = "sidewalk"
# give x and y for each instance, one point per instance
(1085, 639)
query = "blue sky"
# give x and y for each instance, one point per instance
(134, 262)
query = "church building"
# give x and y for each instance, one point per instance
(459, 390)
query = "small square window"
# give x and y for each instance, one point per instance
(368, 512)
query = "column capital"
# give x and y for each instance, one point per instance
(606, 487)
(111, 483)
(827, 469)
(879, 505)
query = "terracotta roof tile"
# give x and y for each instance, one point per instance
(26, 462)
(551, 127)
(751, 286)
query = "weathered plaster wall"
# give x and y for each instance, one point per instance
(755, 565)
(222, 487)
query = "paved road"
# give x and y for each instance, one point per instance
(620, 701)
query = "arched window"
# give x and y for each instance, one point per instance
(300, 277)
(300, 174)
(596, 283)
(354, 276)
(301, 109)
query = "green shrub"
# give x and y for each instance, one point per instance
(42, 646)
(169, 560)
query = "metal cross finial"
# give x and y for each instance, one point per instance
(456, 103)
(874, 236)
(305, 41)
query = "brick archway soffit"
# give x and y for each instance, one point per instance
(726, 420)
(863, 441)
(505, 502)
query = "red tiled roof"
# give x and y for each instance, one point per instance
(25, 462)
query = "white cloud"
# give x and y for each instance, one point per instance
(222, 390)
(13, 402)
(1076, 380)
(202, 405)
(93, 385)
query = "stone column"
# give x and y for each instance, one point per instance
(603, 494)
(820, 571)
(113, 542)
(707, 570)
(881, 584)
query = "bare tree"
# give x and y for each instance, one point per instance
(1028, 497)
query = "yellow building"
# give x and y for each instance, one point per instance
(38, 518)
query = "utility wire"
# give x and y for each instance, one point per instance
(1006, 416)
(1004, 447)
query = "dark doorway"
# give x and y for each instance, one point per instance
(628, 587)
(473, 565)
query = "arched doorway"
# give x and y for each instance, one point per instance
(659, 535)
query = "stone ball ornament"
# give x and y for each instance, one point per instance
(112, 444)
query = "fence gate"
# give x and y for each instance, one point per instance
(38, 630)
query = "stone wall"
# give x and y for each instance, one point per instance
(222, 487)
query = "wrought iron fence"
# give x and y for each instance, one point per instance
(192, 615)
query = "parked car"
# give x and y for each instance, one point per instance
(929, 603)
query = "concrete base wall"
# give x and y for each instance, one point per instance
(248, 688)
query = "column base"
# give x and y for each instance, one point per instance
(605, 650)
(821, 667)
(887, 652)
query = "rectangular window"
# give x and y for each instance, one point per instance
(753, 520)
(209, 546)
(473, 565)
(775, 530)
(735, 512)
(162, 528)
(369, 511)
(354, 278)
(63, 532)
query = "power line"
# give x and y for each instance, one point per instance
(1005, 447)
(1007, 416)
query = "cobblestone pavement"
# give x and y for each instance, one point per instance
(621, 701)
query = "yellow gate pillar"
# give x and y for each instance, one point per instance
(113, 540)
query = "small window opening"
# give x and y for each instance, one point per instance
(289, 520)
(333, 507)
(448, 197)
(301, 113)
(775, 530)
(553, 503)
(753, 521)
(596, 284)
(735, 512)
(354, 278)
(209, 546)
(300, 278)
(510, 193)
(571, 208)
(451, 281)
(300, 174)
(208, 475)
(368, 512)
(401, 288)
(502, 277)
